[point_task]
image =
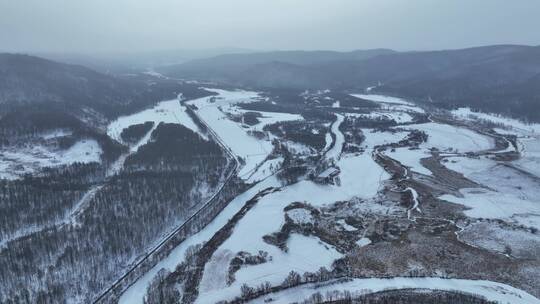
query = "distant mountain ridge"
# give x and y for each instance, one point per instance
(241, 69)
(499, 78)
(27, 80)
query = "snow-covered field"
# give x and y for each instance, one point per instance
(528, 136)
(266, 169)
(399, 117)
(407, 157)
(510, 194)
(530, 155)
(252, 150)
(360, 176)
(384, 99)
(411, 158)
(170, 111)
(267, 216)
(504, 239)
(391, 104)
(440, 136)
(451, 138)
(514, 124)
(492, 291)
(15, 162)
(305, 254)
(374, 138)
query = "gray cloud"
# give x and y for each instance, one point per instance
(137, 25)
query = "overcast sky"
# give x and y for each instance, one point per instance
(135, 25)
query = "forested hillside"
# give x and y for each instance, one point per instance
(161, 185)
(503, 79)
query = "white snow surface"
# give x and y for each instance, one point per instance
(266, 169)
(410, 158)
(170, 111)
(416, 202)
(346, 226)
(56, 133)
(383, 99)
(363, 242)
(374, 138)
(335, 152)
(528, 136)
(360, 176)
(266, 217)
(530, 155)
(492, 291)
(267, 118)
(446, 137)
(328, 141)
(511, 195)
(514, 124)
(391, 104)
(304, 254)
(15, 162)
(297, 148)
(300, 216)
(252, 150)
(399, 117)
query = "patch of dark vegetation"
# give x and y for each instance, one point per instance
(171, 147)
(379, 122)
(135, 133)
(32, 121)
(291, 174)
(322, 227)
(403, 296)
(308, 133)
(243, 259)
(260, 135)
(292, 102)
(190, 110)
(280, 238)
(353, 135)
(251, 118)
(318, 115)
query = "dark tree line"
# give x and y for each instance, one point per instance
(311, 134)
(397, 297)
(135, 133)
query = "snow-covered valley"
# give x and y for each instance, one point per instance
(366, 186)
(334, 198)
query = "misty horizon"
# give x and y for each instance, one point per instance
(122, 27)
